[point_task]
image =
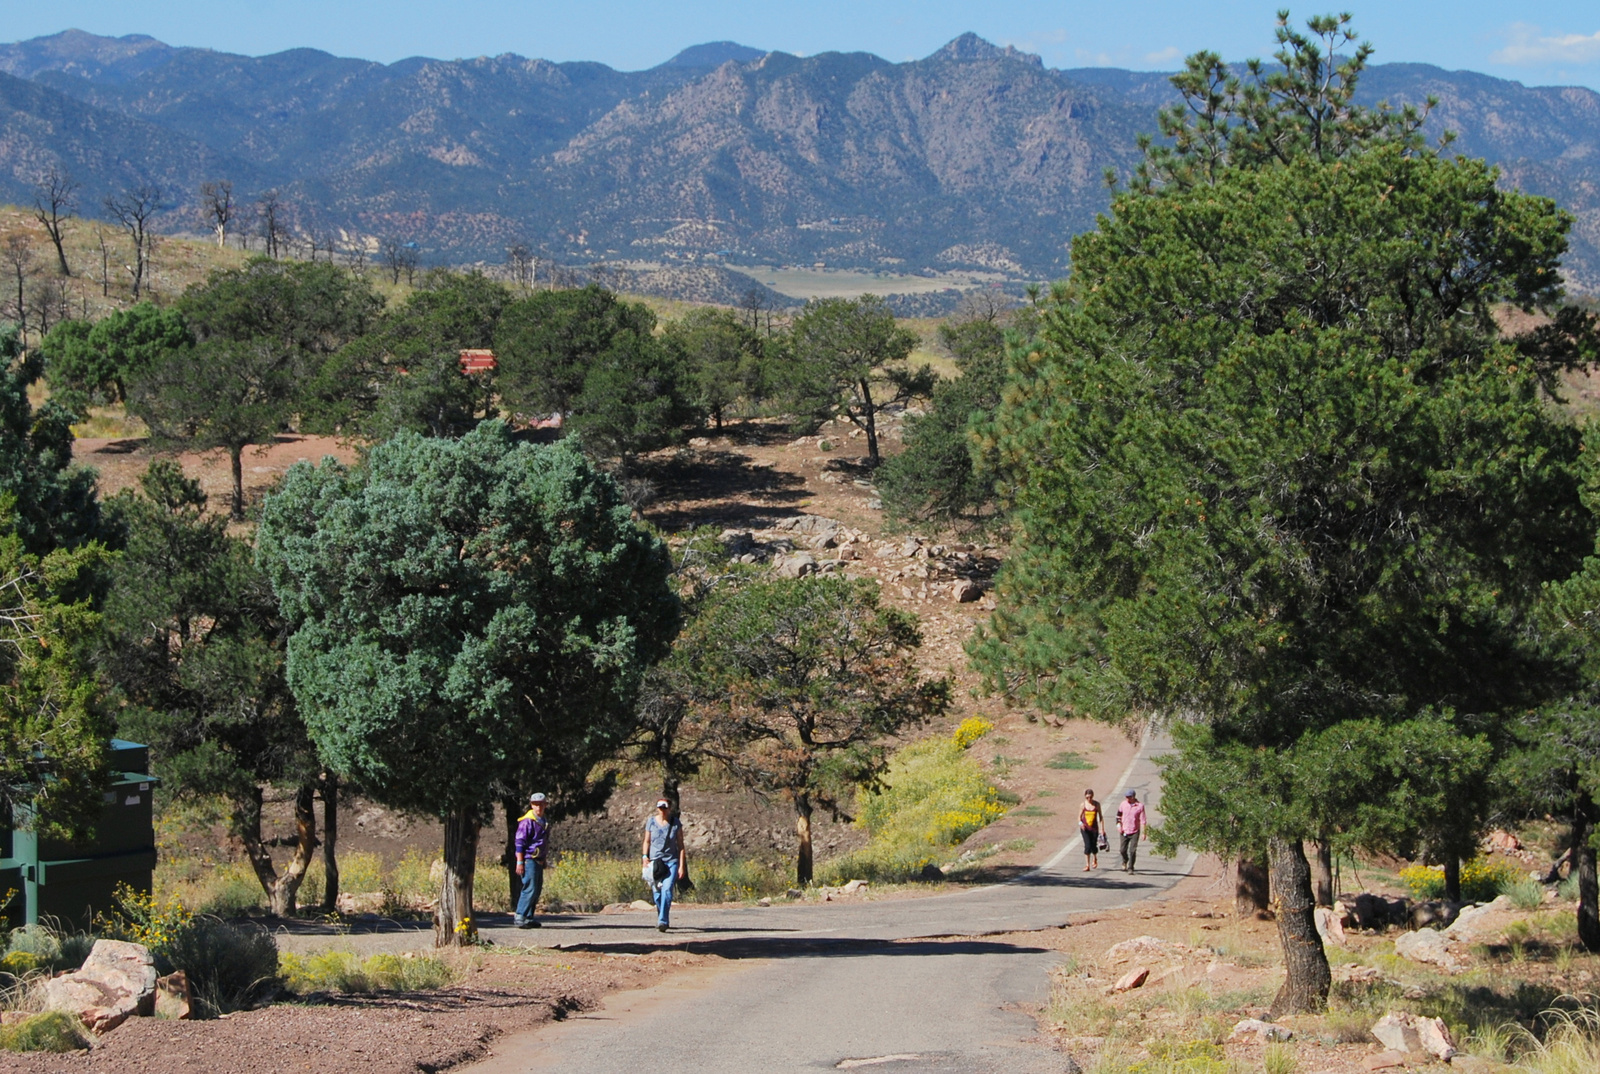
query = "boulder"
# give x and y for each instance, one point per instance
(965, 591)
(360, 902)
(1412, 1034)
(826, 539)
(117, 981)
(640, 904)
(796, 566)
(174, 998)
(1134, 978)
(1426, 945)
(1433, 913)
(1255, 1031)
(1377, 912)
(1383, 1060)
(853, 887)
(1146, 948)
(910, 547)
(1329, 925)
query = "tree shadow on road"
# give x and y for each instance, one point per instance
(745, 947)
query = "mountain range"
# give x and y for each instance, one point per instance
(976, 157)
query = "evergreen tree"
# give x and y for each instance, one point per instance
(53, 501)
(1275, 471)
(936, 477)
(848, 358)
(406, 372)
(94, 363)
(194, 645)
(471, 617)
(801, 683)
(54, 723)
(722, 357)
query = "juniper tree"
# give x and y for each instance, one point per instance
(471, 617)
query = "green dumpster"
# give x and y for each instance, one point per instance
(71, 883)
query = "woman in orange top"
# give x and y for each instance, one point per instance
(1091, 822)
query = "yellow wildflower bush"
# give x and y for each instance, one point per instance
(1481, 880)
(971, 729)
(933, 797)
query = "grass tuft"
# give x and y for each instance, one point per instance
(52, 1031)
(343, 971)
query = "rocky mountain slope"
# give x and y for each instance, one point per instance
(975, 157)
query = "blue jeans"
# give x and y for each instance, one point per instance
(532, 883)
(661, 894)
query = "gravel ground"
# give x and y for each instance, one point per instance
(395, 1033)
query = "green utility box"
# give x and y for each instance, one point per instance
(70, 884)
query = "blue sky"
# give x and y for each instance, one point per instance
(1533, 42)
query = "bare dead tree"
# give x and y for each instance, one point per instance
(392, 259)
(520, 259)
(105, 260)
(269, 213)
(217, 208)
(355, 257)
(54, 199)
(50, 303)
(135, 210)
(17, 256)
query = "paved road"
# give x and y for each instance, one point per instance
(817, 987)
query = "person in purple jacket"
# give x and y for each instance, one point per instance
(533, 836)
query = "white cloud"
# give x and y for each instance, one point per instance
(1527, 46)
(1166, 55)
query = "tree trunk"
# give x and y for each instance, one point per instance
(236, 457)
(279, 889)
(61, 254)
(802, 827)
(1250, 886)
(1322, 872)
(1308, 981)
(1452, 877)
(508, 858)
(1583, 867)
(330, 842)
(453, 923)
(305, 829)
(869, 414)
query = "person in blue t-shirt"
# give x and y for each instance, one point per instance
(663, 859)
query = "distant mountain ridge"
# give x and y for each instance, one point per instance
(976, 157)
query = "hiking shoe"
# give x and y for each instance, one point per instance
(661, 926)
(531, 923)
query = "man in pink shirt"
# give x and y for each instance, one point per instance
(1130, 822)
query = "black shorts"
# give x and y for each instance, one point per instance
(1091, 842)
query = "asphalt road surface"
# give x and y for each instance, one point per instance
(820, 988)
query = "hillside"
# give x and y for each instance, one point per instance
(974, 158)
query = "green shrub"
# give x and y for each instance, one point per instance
(52, 1031)
(343, 971)
(1069, 761)
(735, 881)
(230, 967)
